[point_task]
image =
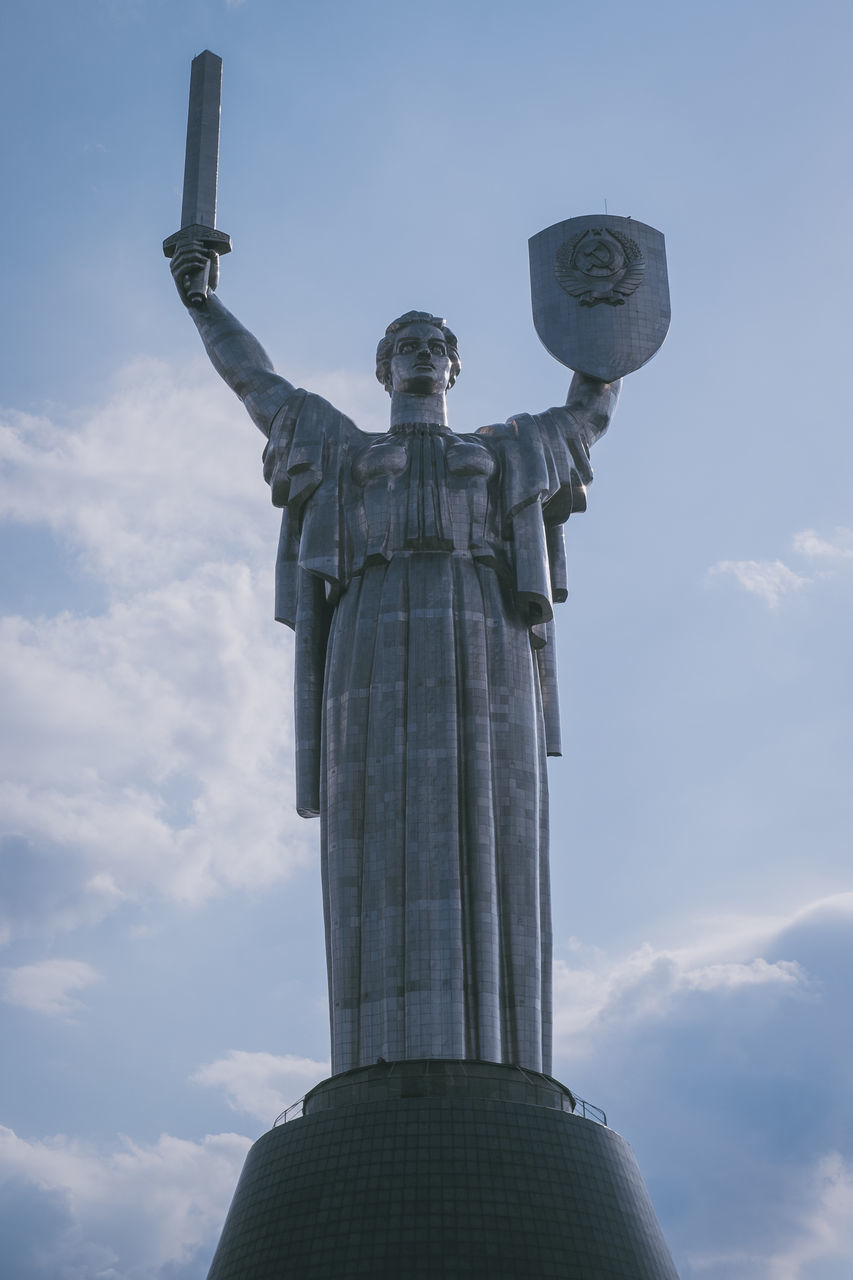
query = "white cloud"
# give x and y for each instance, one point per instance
(152, 741)
(596, 991)
(162, 477)
(810, 543)
(824, 1217)
(773, 580)
(262, 1084)
(819, 1222)
(155, 740)
(770, 580)
(757, 973)
(593, 990)
(131, 1210)
(724, 1058)
(46, 987)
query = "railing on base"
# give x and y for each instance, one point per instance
(587, 1110)
(293, 1112)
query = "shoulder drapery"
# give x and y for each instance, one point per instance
(543, 470)
(305, 458)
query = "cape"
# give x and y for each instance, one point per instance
(541, 477)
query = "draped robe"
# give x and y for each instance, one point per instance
(418, 569)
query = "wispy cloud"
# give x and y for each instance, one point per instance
(770, 580)
(824, 1220)
(839, 547)
(161, 477)
(46, 987)
(262, 1084)
(820, 1226)
(130, 1211)
(773, 580)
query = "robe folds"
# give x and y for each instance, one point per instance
(418, 569)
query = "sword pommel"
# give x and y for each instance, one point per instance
(201, 168)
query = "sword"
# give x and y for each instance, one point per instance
(198, 211)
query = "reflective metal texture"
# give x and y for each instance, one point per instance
(418, 569)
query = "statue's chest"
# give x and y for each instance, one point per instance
(424, 490)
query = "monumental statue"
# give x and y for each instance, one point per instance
(419, 569)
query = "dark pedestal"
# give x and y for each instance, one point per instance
(441, 1169)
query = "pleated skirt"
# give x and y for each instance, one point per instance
(434, 820)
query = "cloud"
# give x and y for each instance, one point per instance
(128, 1212)
(770, 580)
(45, 987)
(597, 991)
(820, 1230)
(261, 1084)
(46, 891)
(810, 543)
(154, 741)
(163, 476)
(696, 1051)
(151, 742)
(824, 1216)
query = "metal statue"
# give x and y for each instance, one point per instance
(419, 569)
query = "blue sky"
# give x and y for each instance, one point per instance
(162, 974)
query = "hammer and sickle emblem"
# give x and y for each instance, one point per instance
(599, 254)
(598, 266)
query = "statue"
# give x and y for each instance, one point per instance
(418, 569)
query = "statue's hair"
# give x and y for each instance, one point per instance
(385, 350)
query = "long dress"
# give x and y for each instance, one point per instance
(418, 569)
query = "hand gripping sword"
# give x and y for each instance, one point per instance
(198, 212)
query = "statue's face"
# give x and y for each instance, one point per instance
(420, 363)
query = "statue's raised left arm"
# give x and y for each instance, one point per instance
(592, 403)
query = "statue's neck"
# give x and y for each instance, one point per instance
(406, 407)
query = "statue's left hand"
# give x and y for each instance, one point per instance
(593, 402)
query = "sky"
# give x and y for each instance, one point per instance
(162, 984)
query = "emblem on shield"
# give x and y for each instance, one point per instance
(600, 266)
(600, 293)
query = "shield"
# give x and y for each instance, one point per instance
(600, 293)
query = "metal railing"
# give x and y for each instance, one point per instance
(588, 1110)
(293, 1112)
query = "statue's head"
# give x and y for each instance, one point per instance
(418, 354)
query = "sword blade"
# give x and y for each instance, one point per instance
(201, 166)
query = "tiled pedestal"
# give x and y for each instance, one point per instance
(441, 1169)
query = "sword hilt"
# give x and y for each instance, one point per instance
(213, 240)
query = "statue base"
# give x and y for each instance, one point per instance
(442, 1169)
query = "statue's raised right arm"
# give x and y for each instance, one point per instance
(235, 354)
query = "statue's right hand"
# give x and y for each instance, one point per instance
(187, 265)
